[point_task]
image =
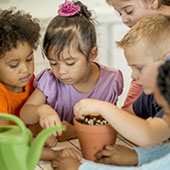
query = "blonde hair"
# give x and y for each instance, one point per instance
(153, 31)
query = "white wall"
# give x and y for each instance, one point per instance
(109, 30)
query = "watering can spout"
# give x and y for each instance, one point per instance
(36, 147)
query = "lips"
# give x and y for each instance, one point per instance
(24, 79)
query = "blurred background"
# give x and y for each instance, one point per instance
(109, 30)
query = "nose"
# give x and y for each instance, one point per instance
(125, 20)
(62, 69)
(24, 67)
(134, 75)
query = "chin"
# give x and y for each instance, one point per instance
(148, 91)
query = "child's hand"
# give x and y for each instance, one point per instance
(49, 118)
(67, 163)
(67, 152)
(51, 141)
(118, 155)
(87, 107)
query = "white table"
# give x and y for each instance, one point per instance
(75, 144)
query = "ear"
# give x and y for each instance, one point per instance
(93, 54)
(153, 4)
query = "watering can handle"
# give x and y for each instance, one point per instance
(14, 119)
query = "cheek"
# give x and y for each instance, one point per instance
(54, 71)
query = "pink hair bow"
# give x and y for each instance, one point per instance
(68, 9)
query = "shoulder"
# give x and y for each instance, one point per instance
(47, 73)
(47, 82)
(45, 77)
(111, 78)
(111, 73)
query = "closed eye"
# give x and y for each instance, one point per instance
(70, 64)
(53, 64)
(29, 59)
(14, 65)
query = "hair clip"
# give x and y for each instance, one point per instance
(68, 9)
(168, 58)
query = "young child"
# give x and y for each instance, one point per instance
(132, 11)
(70, 46)
(141, 50)
(156, 157)
(19, 37)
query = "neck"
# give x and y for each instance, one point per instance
(89, 81)
(15, 90)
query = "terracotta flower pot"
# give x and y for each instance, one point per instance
(93, 138)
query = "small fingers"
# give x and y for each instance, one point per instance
(77, 112)
(103, 153)
(55, 164)
(104, 160)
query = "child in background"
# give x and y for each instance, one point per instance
(156, 157)
(19, 37)
(70, 46)
(132, 11)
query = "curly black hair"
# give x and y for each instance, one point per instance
(163, 81)
(17, 26)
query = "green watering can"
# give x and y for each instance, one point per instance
(17, 152)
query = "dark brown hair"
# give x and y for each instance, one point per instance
(163, 81)
(17, 27)
(62, 31)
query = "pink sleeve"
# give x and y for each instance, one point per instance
(133, 93)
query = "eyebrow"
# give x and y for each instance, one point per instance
(13, 60)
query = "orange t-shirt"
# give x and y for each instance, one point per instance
(11, 102)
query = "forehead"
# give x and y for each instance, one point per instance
(67, 53)
(21, 51)
(118, 3)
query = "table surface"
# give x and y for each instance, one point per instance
(75, 144)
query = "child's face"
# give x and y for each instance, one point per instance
(17, 67)
(71, 67)
(144, 68)
(131, 11)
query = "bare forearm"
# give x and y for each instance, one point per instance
(29, 113)
(47, 154)
(135, 129)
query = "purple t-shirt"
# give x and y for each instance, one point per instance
(62, 98)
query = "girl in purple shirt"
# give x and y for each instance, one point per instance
(70, 46)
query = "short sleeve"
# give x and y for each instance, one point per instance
(3, 104)
(47, 83)
(119, 82)
(118, 86)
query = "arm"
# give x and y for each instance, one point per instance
(123, 156)
(69, 163)
(35, 110)
(149, 154)
(3, 109)
(139, 131)
(32, 108)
